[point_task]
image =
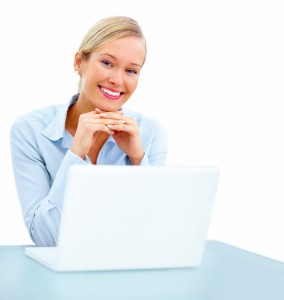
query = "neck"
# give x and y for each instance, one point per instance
(72, 119)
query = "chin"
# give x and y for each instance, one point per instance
(110, 108)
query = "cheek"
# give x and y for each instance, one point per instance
(96, 73)
(132, 84)
(91, 78)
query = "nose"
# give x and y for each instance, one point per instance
(116, 78)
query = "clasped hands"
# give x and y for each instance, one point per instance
(124, 130)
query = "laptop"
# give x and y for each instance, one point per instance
(132, 217)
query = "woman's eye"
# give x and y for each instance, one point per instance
(106, 63)
(131, 71)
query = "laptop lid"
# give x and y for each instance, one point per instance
(128, 217)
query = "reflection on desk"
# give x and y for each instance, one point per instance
(226, 272)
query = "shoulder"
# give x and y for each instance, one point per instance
(36, 119)
(39, 114)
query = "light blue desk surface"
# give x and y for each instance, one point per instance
(226, 272)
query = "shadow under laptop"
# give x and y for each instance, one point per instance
(181, 283)
(150, 284)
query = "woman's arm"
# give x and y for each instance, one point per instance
(154, 141)
(40, 192)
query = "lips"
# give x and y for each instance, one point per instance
(110, 93)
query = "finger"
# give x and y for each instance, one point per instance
(99, 111)
(122, 127)
(104, 121)
(113, 116)
(92, 127)
(89, 115)
(130, 121)
(103, 128)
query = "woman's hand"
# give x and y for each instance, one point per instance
(126, 134)
(89, 126)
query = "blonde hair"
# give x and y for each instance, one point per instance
(108, 30)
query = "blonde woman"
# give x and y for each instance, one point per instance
(92, 128)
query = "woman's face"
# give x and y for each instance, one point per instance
(110, 75)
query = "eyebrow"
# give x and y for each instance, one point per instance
(113, 57)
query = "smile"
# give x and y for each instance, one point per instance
(110, 93)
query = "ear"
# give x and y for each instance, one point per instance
(78, 62)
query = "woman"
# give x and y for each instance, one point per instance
(92, 128)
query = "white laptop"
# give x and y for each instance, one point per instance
(128, 217)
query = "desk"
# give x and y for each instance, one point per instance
(226, 272)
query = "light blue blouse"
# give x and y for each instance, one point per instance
(41, 157)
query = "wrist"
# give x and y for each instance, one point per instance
(136, 160)
(76, 152)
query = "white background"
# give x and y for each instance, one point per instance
(214, 76)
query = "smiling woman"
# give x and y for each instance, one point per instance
(92, 128)
(109, 76)
(112, 71)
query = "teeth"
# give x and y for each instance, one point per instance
(115, 94)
